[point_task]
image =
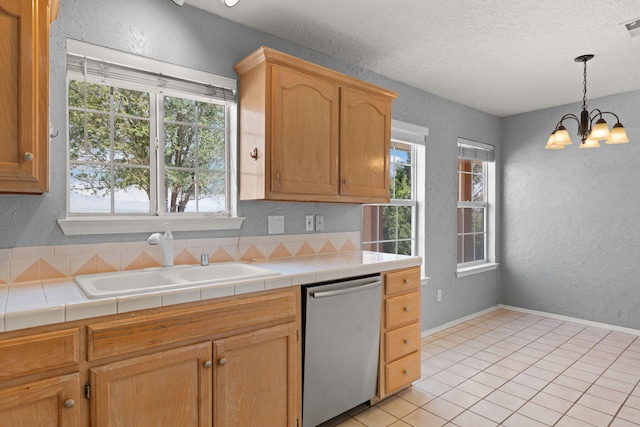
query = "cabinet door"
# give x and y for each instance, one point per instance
(24, 109)
(365, 138)
(49, 403)
(256, 378)
(169, 388)
(304, 133)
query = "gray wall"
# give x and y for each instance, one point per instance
(570, 217)
(193, 38)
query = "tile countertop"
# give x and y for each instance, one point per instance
(47, 302)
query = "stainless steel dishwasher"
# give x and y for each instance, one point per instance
(340, 346)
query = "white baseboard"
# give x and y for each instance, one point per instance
(535, 312)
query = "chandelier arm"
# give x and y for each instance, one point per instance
(568, 116)
(609, 112)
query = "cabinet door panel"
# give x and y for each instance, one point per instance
(304, 141)
(365, 138)
(256, 378)
(42, 403)
(169, 388)
(24, 110)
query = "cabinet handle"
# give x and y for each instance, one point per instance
(208, 364)
(278, 176)
(406, 341)
(405, 372)
(346, 182)
(28, 156)
(69, 403)
(254, 154)
(407, 281)
(222, 361)
(407, 309)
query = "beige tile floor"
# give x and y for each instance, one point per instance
(512, 369)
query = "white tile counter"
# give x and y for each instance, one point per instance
(45, 302)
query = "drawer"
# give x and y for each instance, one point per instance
(402, 372)
(128, 335)
(402, 309)
(402, 341)
(39, 353)
(402, 281)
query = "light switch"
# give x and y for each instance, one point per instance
(308, 222)
(276, 224)
(319, 222)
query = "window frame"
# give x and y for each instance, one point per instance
(115, 223)
(485, 154)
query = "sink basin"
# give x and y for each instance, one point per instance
(103, 285)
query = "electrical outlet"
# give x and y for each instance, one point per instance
(276, 224)
(439, 295)
(308, 222)
(319, 222)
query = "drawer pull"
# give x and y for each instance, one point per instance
(406, 341)
(407, 309)
(407, 281)
(222, 361)
(254, 153)
(405, 372)
(28, 156)
(69, 403)
(208, 364)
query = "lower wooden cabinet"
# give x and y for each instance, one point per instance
(168, 388)
(53, 402)
(400, 332)
(256, 378)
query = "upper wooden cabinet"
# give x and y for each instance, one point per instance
(308, 133)
(24, 94)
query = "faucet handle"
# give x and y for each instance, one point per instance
(204, 259)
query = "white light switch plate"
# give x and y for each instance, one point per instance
(319, 222)
(308, 222)
(276, 224)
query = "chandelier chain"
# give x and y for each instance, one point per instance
(584, 87)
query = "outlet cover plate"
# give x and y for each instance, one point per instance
(276, 224)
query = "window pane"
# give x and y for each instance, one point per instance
(389, 247)
(401, 182)
(89, 189)
(211, 193)
(404, 222)
(468, 248)
(132, 190)
(373, 247)
(179, 110)
(97, 146)
(404, 247)
(76, 94)
(179, 146)
(478, 188)
(211, 149)
(131, 141)
(479, 247)
(477, 221)
(460, 249)
(98, 96)
(211, 114)
(389, 223)
(180, 188)
(370, 223)
(131, 102)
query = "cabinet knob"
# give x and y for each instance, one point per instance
(69, 403)
(407, 281)
(278, 176)
(406, 372)
(407, 309)
(28, 156)
(346, 182)
(222, 361)
(208, 364)
(254, 154)
(405, 341)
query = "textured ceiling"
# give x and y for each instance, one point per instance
(498, 56)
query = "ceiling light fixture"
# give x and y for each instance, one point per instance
(230, 3)
(179, 2)
(589, 132)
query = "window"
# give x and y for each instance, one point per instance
(475, 197)
(394, 227)
(147, 138)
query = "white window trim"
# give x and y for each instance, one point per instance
(489, 264)
(74, 225)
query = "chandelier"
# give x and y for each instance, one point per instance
(588, 131)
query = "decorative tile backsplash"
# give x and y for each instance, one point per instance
(27, 264)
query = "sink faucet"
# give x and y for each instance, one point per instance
(166, 243)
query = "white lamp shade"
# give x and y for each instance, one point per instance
(618, 135)
(600, 131)
(551, 144)
(229, 3)
(590, 143)
(562, 137)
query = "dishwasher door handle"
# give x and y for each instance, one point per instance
(346, 290)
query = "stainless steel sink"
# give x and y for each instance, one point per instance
(103, 285)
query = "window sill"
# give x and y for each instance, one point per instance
(79, 226)
(481, 268)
